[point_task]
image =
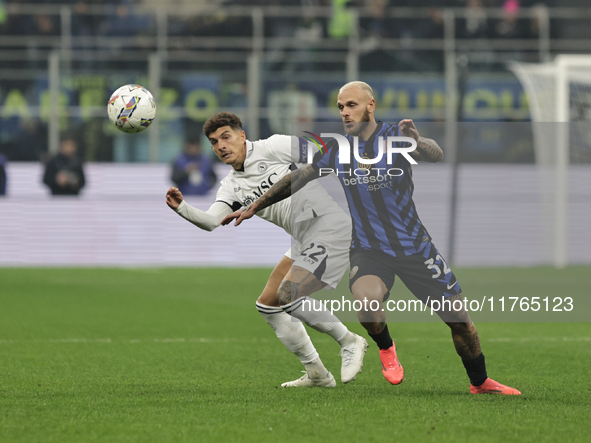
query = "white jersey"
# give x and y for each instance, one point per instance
(266, 162)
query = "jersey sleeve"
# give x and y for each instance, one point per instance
(325, 159)
(288, 148)
(207, 220)
(299, 150)
(225, 195)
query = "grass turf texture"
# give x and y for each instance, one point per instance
(175, 355)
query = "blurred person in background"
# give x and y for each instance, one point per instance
(192, 172)
(375, 28)
(476, 22)
(30, 142)
(512, 26)
(475, 26)
(124, 21)
(63, 172)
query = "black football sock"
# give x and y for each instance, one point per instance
(476, 369)
(383, 339)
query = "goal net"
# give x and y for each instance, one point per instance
(559, 95)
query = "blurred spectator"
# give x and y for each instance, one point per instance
(476, 27)
(300, 38)
(376, 26)
(341, 20)
(124, 21)
(43, 30)
(45, 25)
(282, 30)
(84, 23)
(308, 33)
(2, 174)
(511, 26)
(476, 24)
(63, 173)
(31, 142)
(85, 27)
(192, 171)
(507, 27)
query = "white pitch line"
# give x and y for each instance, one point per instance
(133, 340)
(265, 340)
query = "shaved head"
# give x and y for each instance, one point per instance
(357, 84)
(357, 106)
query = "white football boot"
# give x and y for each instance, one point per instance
(305, 381)
(352, 358)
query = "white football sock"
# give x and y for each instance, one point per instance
(314, 314)
(293, 335)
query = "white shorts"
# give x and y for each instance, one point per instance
(323, 247)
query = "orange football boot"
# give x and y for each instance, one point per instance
(391, 367)
(492, 387)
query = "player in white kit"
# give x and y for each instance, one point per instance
(319, 256)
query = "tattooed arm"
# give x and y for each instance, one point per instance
(282, 189)
(427, 149)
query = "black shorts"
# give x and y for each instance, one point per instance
(425, 274)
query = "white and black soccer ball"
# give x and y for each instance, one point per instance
(131, 108)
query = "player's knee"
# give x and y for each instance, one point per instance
(268, 298)
(369, 297)
(262, 298)
(368, 290)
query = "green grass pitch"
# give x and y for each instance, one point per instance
(181, 355)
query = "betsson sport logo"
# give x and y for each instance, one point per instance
(386, 145)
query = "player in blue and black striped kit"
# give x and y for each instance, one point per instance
(388, 237)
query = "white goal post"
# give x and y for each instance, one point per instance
(559, 92)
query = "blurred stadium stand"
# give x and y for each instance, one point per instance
(258, 57)
(276, 62)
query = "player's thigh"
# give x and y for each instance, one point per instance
(371, 276)
(430, 279)
(269, 295)
(322, 248)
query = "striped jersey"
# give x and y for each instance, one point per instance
(379, 195)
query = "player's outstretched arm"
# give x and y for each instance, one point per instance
(427, 149)
(207, 220)
(174, 198)
(283, 188)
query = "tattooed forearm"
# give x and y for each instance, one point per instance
(279, 191)
(284, 187)
(302, 176)
(428, 150)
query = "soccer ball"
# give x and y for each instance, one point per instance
(131, 108)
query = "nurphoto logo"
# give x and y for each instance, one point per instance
(389, 146)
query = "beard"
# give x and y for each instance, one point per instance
(358, 127)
